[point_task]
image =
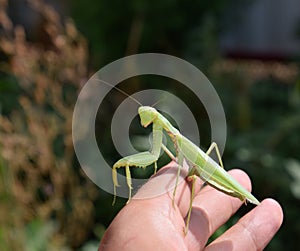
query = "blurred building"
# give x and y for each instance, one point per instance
(264, 29)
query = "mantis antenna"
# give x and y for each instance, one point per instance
(157, 102)
(120, 90)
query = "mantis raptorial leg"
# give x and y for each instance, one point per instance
(211, 172)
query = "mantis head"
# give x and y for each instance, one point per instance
(147, 115)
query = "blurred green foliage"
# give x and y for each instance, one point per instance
(117, 28)
(263, 114)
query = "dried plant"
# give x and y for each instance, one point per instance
(35, 140)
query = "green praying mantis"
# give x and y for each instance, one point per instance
(200, 164)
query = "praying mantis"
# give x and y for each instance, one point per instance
(200, 163)
(216, 176)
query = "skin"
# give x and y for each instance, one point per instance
(154, 224)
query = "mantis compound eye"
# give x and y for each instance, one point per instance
(147, 115)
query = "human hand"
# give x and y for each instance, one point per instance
(154, 224)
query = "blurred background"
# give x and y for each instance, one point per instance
(249, 49)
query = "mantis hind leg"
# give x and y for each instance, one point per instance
(211, 147)
(215, 146)
(193, 177)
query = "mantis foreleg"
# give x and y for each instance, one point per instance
(143, 159)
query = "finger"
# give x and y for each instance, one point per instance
(211, 209)
(152, 208)
(252, 232)
(161, 187)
